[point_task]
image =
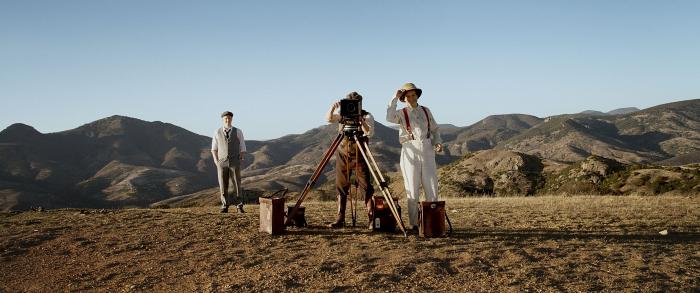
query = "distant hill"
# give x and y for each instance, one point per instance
(613, 112)
(290, 160)
(121, 161)
(623, 111)
(487, 133)
(680, 160)
(644, 136)
(116, 161)
(592, 112)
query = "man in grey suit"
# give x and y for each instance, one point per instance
(227, 149)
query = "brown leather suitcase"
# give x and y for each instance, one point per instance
(272, 215)
(382, 217)
(431, 219)
(299, 219)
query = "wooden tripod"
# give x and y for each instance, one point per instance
(373, 168)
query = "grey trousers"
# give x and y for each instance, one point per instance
(229, 174)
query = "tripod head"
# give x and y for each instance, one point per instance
(352, 131)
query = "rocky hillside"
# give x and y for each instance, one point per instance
(493, 172)
(120, 161)
(116, 161)
(487, 133)
(289, 161)
(508, 173)
(647, 136)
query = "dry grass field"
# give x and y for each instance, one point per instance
(581, 243)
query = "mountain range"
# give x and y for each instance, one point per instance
(121, 161)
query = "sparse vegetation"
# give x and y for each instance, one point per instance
(576, 244)
(595, 175)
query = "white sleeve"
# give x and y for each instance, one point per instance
(242, 140)
(214, 146)
(370, 125)
(391, 115)
(435, 129)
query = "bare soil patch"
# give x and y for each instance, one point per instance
(582, 243)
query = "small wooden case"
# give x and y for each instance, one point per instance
(272, 215)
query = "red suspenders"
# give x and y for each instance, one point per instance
(408, 122)
(427, 117)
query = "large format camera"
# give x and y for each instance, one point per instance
(350, 109)
(350, 116)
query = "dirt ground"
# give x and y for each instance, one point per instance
(499, 244)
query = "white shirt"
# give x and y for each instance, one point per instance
(419, 123)
(239, 133)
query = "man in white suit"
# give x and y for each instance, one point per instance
(420, 140)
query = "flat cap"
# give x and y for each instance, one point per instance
(354, 96)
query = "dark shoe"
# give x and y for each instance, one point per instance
(240, 208)
(415, 229)
(337, 224)
(340, 217)
(224, 210)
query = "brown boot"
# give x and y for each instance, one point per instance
(340, 218)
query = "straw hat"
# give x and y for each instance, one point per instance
(409, 87)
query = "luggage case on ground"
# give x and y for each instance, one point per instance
(272, 212)
(272, 215)
(299, 219)
(431, 219)
(382, 217)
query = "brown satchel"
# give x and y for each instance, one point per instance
(299, 219)
(382, 218)
(431, 219)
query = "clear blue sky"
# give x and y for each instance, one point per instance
(278, 65)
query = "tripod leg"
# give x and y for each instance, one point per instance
(382, 185)
(347, 177)
(324, 161)
(371, 156)
(357, 190)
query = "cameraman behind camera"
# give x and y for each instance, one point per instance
(345, 160)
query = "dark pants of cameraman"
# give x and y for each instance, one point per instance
(343, 182)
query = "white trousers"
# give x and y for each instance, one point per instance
(418, 169)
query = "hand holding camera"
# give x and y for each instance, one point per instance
(335, 105)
